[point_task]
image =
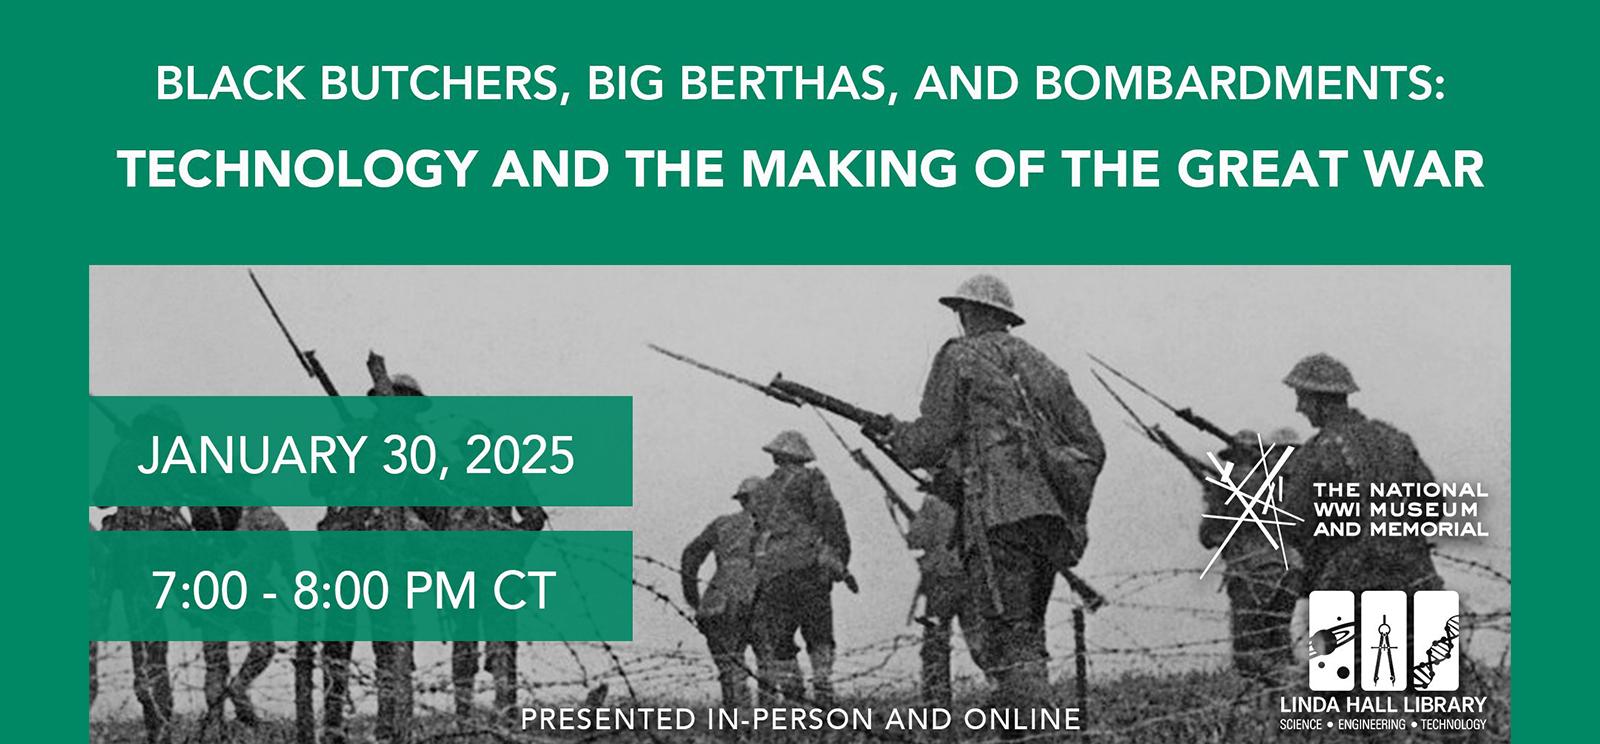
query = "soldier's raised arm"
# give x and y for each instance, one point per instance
(694, 556)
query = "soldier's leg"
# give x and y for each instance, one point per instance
(776, 622)
(1278, 615)
(255, 663)
(335, 689)
(157, 700)
(463, 668)
(215, 654)
(141, 688)
(501, 658)
(816, 627)
(1243, 623)
(94, 670)
(394, 690)
(1025, 575)
(305, 723)
(726, 640)
(935, 654)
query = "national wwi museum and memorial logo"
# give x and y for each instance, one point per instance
(1255, 501)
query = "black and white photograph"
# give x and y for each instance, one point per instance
(1054, 503)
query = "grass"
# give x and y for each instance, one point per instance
(1195, 708)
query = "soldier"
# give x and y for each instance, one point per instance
(724, 613)
(942, 588)
(802, 548)
(1261, 590)
(499, 657)
(258, 519)
(152, 681)
(1027, 454)
(1350, 448)
(215, 653)
(393, 659)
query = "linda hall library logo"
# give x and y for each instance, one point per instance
(1399, 646)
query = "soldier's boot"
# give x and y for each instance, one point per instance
(735, 690)
(935, 655)
(305, 717)
(821, 675)
(464, 666)
(1021, 685)
(782, 682)
(733, 679)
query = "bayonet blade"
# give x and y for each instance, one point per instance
(726, 375)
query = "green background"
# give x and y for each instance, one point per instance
(1516, 90)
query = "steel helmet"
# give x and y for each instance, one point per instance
(749, 486)
(791, 443)
(986, 290)
(1284, 437)
(400, 385)
(406, 382)
(1320, 373)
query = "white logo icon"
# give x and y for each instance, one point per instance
(1259, 508)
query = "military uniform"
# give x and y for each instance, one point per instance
(991, 407)
(942, 586)
(1262, 591)
(724, 613)
(499, 657)
(801, 549)
(215, 653)
(394, 661)
(152, 680)
(1350, 448)
(237, 689)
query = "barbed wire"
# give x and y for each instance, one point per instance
(868, 671)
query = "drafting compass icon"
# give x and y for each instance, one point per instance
(1385, 652)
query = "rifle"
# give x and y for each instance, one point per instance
(890, 495)
(1154, 432)
(117, 424)
(875, 426)
(1186, 413)
(308, 358)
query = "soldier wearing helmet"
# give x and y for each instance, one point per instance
(999, 412)
(152, 679)
(394, 661)
(1350, 448)
(942, 586)
(801, 549)
(723, 614)
(1261, 588)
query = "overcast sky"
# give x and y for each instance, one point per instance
(1430, 347)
